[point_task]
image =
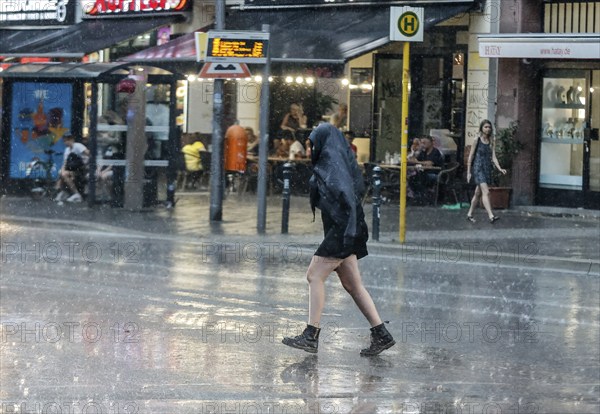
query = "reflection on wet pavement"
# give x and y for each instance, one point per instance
(118, 324)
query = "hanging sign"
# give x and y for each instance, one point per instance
(406, 24)
(37, 13)
(230, 46)
(113, 8)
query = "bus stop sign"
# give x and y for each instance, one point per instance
(406, 24)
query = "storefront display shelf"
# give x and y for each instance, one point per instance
(564, 106)
(562, 140)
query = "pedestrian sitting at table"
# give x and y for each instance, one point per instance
(414, 151)
(426, 177)
(296, 150)
(349, 135)
(252, 148)
(293, 121)
(193, 164)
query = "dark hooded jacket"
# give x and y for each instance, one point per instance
(337, 185)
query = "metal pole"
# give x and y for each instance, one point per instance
(93, 145)
(173, 147)
(376, 201)
(263, 147)
(216, 164)
(285, 196)
(404, 142)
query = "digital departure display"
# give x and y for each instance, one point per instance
(237, 48)
(232, 46)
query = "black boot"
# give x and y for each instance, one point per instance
(308, 341)
(381, 340)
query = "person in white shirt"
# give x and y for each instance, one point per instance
(71, 166)
(297, 150)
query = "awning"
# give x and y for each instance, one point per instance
(319, 35)
(540, 46)
(77, 40)
(78, 70)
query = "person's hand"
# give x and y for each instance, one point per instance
(502, 170)
(468, 176)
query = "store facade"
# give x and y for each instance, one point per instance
(549, 80)
(342, 50)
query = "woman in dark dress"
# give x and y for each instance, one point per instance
(481, 158)
(336, 189)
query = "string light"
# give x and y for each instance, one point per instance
(299, 79)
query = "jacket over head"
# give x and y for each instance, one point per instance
(337, 184)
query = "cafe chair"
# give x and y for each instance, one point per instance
(389, 182)
(446, 182)
(205, 157)
(249, 180)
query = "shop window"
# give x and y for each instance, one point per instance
(564, 118)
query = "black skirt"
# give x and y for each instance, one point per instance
(333, 244)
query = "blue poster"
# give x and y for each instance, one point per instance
(41, 115)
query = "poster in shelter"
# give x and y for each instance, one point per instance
(41, 115)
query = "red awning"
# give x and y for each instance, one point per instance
(182, 48)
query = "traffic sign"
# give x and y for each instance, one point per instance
(230, 46)
(406, 24)
(224, 70)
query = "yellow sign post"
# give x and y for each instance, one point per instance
(405, 25)
(404, 138)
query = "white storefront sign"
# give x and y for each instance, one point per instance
(548, 46)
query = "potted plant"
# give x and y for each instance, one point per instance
(507, 147)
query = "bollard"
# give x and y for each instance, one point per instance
(376, 201)
(285, 196)
(171, 195)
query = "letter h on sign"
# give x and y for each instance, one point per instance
(406, 24)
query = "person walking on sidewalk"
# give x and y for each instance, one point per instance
(481, 157)
(336, 188)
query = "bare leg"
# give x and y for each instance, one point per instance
(485, 197)
(67, 178)
(318, 271)
(351, 281)
(474, 201)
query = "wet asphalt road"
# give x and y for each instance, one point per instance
(95, 321)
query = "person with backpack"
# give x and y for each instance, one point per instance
(75, 159)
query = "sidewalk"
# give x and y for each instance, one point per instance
(190, 218)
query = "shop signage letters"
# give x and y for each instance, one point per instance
(97, 8)
(36, 13)
(540, 50)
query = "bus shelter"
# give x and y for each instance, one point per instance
(124, 113)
